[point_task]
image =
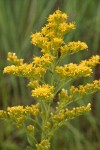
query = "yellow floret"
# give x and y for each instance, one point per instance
(44, 92)
(73, 47)
(44, 145)
(73, 70)
(14, 59)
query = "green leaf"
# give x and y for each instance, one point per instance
(32, 141)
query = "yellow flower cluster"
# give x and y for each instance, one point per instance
(19, 114)
(58, 21)
(33, 84)
(66, 114)
(3, 114)
(30, 128)
(70, 114)
(19, 110)
(34, 70)
(73, 70)
(14, 59)
(26, 70)
(43, 61)
(85, 89)
(76, 93)
(57, 16)
(73, 47)
(44, 92)
(93, 61)
(44, 145)
(50, 37)
(33, 109)
(64, 99)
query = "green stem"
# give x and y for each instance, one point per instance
(61, 85)
(46, 111)
(35, 122)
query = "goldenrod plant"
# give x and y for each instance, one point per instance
(48, 79)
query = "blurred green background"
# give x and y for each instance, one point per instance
(18, 19)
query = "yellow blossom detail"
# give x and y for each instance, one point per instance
(22, 70)
(33, 84)
(65, 27)
(38, 39)
(56, 43)
(33, 109)
(25, 70)
(64, 99)
(50, 37)
(67, 114)
(57, 16)
(85, 89)
(30, 128)
(43, 61)
(73, 47)
(44, 92)
(3, 114)
(48, 124)
(73, 70)
(93, 61)
(14, 59)
(70, 114)
(15, 111)
(44, 145)
(18, 114)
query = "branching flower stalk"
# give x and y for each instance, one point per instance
(47, 79)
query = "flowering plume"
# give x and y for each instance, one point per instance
(48, 79)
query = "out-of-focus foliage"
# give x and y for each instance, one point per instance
(18, 19)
